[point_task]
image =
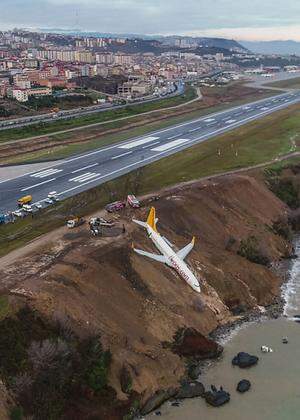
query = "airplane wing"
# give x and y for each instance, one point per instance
(182, 254)
(156, 257)
(138, 222)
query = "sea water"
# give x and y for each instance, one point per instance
(275, 390)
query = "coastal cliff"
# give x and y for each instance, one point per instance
(150, 320)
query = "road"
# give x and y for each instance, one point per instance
(85, 171)
(79, 112)
(103, 123)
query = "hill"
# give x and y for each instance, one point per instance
(141, 309)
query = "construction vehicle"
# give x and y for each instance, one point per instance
(77, 221)
(115, 206)
(27, 199)
(100, 221)
(133, 201)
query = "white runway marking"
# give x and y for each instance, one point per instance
(84, 177)
(209, 120)
(119, 156)
(230, 121)
(37, 185)
(150, 145)
(194, 129)
(46, 173)
(138, 143)
(86, 167)
(169, 145)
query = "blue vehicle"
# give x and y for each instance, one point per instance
(2, 219)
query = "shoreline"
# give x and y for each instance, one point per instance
(225, 333)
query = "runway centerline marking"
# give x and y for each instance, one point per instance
(86, 167)
(37, 185)
(119, 156)
(150, 145)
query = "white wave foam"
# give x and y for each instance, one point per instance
(291, 289)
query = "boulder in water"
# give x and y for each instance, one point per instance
(244, 360)
(243, 386)
(218, 398)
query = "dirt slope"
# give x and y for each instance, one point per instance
(137, 303)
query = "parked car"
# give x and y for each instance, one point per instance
(115, 206)
(37, 206)
(27, 208)
(53, 196)
(18, 213)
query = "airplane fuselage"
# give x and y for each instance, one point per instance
(172, 259)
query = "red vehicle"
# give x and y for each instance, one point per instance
(115, 206)
(133, 201)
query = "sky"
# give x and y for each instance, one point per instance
(238, 19)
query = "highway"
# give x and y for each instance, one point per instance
(85, 171)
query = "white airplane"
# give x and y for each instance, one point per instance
(169, 256)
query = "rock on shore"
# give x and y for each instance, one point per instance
(243, 386)
(191, 343)
(218, 398)
(244, 360)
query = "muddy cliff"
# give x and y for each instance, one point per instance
(146, 315)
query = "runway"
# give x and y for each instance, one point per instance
(85, 171)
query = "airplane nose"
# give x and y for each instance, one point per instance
(197, 288)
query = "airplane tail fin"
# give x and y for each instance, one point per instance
(151, 220)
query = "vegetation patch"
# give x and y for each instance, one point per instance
(47, 366)
(283, 187)
(282, 228)
(249, 248)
